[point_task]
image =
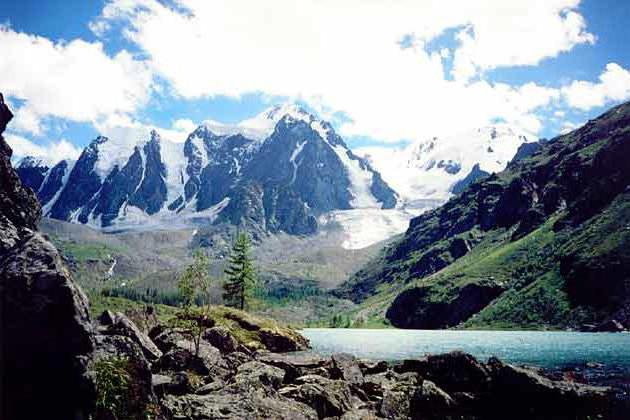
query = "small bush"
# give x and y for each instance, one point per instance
(113, 384)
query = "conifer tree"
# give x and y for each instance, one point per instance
(241, 275)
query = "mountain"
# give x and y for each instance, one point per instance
(438, 167)
(542, 244)
(279, 171)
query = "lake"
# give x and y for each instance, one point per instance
(539, 348)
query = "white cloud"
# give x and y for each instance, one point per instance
(125, 129)
(76, 80)
(613, 85)
(50, 153)
(346, 56)
(517, 33)
(184, 126)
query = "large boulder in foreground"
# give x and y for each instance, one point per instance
(46, 333)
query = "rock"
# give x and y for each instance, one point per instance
(369, 367)
(611, 325)
(237, 358)
(168, 338)
(430, 402)
(180, 384)
(107, 318)
(375, 385)
(328, 397)
(258, 375)
(455, 372)
(208, 356)
(361, 414)
(282, 341)
(47, 335)
(510, 384)
(159, 382)
(139, 394)
(221, 338)
(213, 386)
(346, 367)
(229, 406)
(121, 325)
(295, 365)
(180, 359)
(396, 390)
(47, 338)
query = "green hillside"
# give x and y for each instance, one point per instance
(544, 244)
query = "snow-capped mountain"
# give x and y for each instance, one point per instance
(436, 168)
(278, 171)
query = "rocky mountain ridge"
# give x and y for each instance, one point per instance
(276, 172)
(438, 167)
(540, 244)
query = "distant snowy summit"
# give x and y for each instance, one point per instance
(279, 171)
(438, 167)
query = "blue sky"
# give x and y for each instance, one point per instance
(384, 75)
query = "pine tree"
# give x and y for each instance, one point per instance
(241, 276)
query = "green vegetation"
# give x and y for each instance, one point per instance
(99, 303)
(241, 275)
(543, 244)
(194, 282)
(113, 388)
(249, 329)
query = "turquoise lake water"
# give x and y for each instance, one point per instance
(544, 349)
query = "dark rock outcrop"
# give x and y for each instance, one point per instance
(47, 337)
(475, 174)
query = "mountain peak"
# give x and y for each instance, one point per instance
(31, 162)
(292, 110)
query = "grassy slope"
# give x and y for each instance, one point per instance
(588, 170)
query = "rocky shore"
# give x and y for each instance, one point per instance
(227, 380)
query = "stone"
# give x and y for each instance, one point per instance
(346, 367)
(140, 392)
(611, 325)
(255, 374)
(221, 338)
(328, 397)
(295, 364)
(430, 402)
(47, 335)
(455, 372)
(230, 406)
(281, 341)
(181, 359)
(396, 391)
(545, 397)
(122, 325)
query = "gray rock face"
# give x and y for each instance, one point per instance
(151, 194)
(475, 174)
(53, 182)
(32, 172)
(121, 325)
(281, 184)
(82, 185)
(221, 338)
(46, 333)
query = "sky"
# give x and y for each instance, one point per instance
(384, 73)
